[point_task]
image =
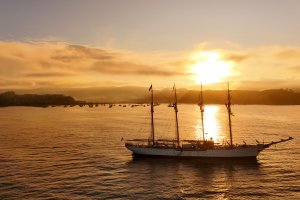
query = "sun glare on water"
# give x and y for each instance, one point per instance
(209, 67)
(211, 125)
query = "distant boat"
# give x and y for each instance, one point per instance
(205, 148)
(170, 105)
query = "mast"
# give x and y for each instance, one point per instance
(152, 111)
(228, 105)
(202, 112)
(176, 117)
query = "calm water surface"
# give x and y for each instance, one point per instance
(77, 153)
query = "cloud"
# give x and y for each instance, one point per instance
(236, 57)
(76, 52)
(44, 61)
(58, 64)
(55, 57)
(133, 69)
(53, 74)
(263, 84)
(289, 53)
(295, 69)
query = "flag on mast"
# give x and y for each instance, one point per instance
(150, 88)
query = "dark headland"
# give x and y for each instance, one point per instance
(12, 99)
(141, 95)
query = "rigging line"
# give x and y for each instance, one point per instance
(142, 129)
(170, 122)
(170, 119)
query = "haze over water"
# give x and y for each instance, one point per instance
(77, 153)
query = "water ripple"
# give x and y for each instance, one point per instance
(76, 153)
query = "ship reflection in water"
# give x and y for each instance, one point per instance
(194, 178)
(212, 127)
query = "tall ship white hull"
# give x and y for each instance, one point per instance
(238, 152)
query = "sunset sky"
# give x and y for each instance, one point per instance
(254, 44)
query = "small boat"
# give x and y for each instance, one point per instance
(170, 105)
(205, 148)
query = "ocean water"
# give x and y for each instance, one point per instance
(77, 153)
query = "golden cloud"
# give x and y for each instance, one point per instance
(289, 53)
(47, 64)
(44, 61)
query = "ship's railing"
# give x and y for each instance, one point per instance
(194, 144)
(161, 143)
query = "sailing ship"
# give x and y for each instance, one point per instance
(205, 148)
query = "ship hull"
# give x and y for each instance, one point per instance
(247, 152)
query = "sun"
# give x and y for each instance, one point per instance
(209, 67)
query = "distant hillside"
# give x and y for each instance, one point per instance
(12, 99)
(266, 97)
(95, 94)
(142, 95)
